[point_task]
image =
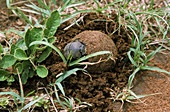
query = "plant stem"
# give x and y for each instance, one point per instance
(21, 87)
(33, 64)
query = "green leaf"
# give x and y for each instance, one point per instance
(52, 23)
(1, 49)
(24, 76)
(21, 44)
(119, 95)
(45, 54)
(14, 11)
(36, 34)
(26, 64)
(97, 3)
(31, 73)
(20, 54)
(8, 2)
(7, 61)
(13, 47)
(4, 75)
(42, 71)
(31, 11)
(66, 3)
(133, 94)
(150, 55)
(41, 48)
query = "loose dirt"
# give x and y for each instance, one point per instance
(97, 91)
(149, 82)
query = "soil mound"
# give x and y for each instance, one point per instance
(97, 91)
(97, 41)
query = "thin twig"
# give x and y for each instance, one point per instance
(80, 19)
(51, 100)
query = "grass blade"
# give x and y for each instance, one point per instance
(11, 93)
(64, 6)
(133, 94)
(155, 69)
(89, 56)
(41, 10)
(120, 94)
(132, 77)
(45, 6)
(140, 96)
(18, 15)
(111, 4)
(74, 14)
(23, 15)
(31, 11)
(97, 3)
(52, 46)
(75, 4)
(66, 74)
(130, 27)
(131, 59)
(58, 99)
(60, 88)
(31, 103)
(150, 55)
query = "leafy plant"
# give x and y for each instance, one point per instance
(4, 102)
(24, 57)
(137, 53)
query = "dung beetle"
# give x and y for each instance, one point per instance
(76, 48)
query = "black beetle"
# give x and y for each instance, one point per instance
(76, 48)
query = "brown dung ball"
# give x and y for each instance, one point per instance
(97, 41)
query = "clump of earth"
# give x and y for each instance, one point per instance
(97, 41)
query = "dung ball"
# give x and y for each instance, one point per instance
(96, 41)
